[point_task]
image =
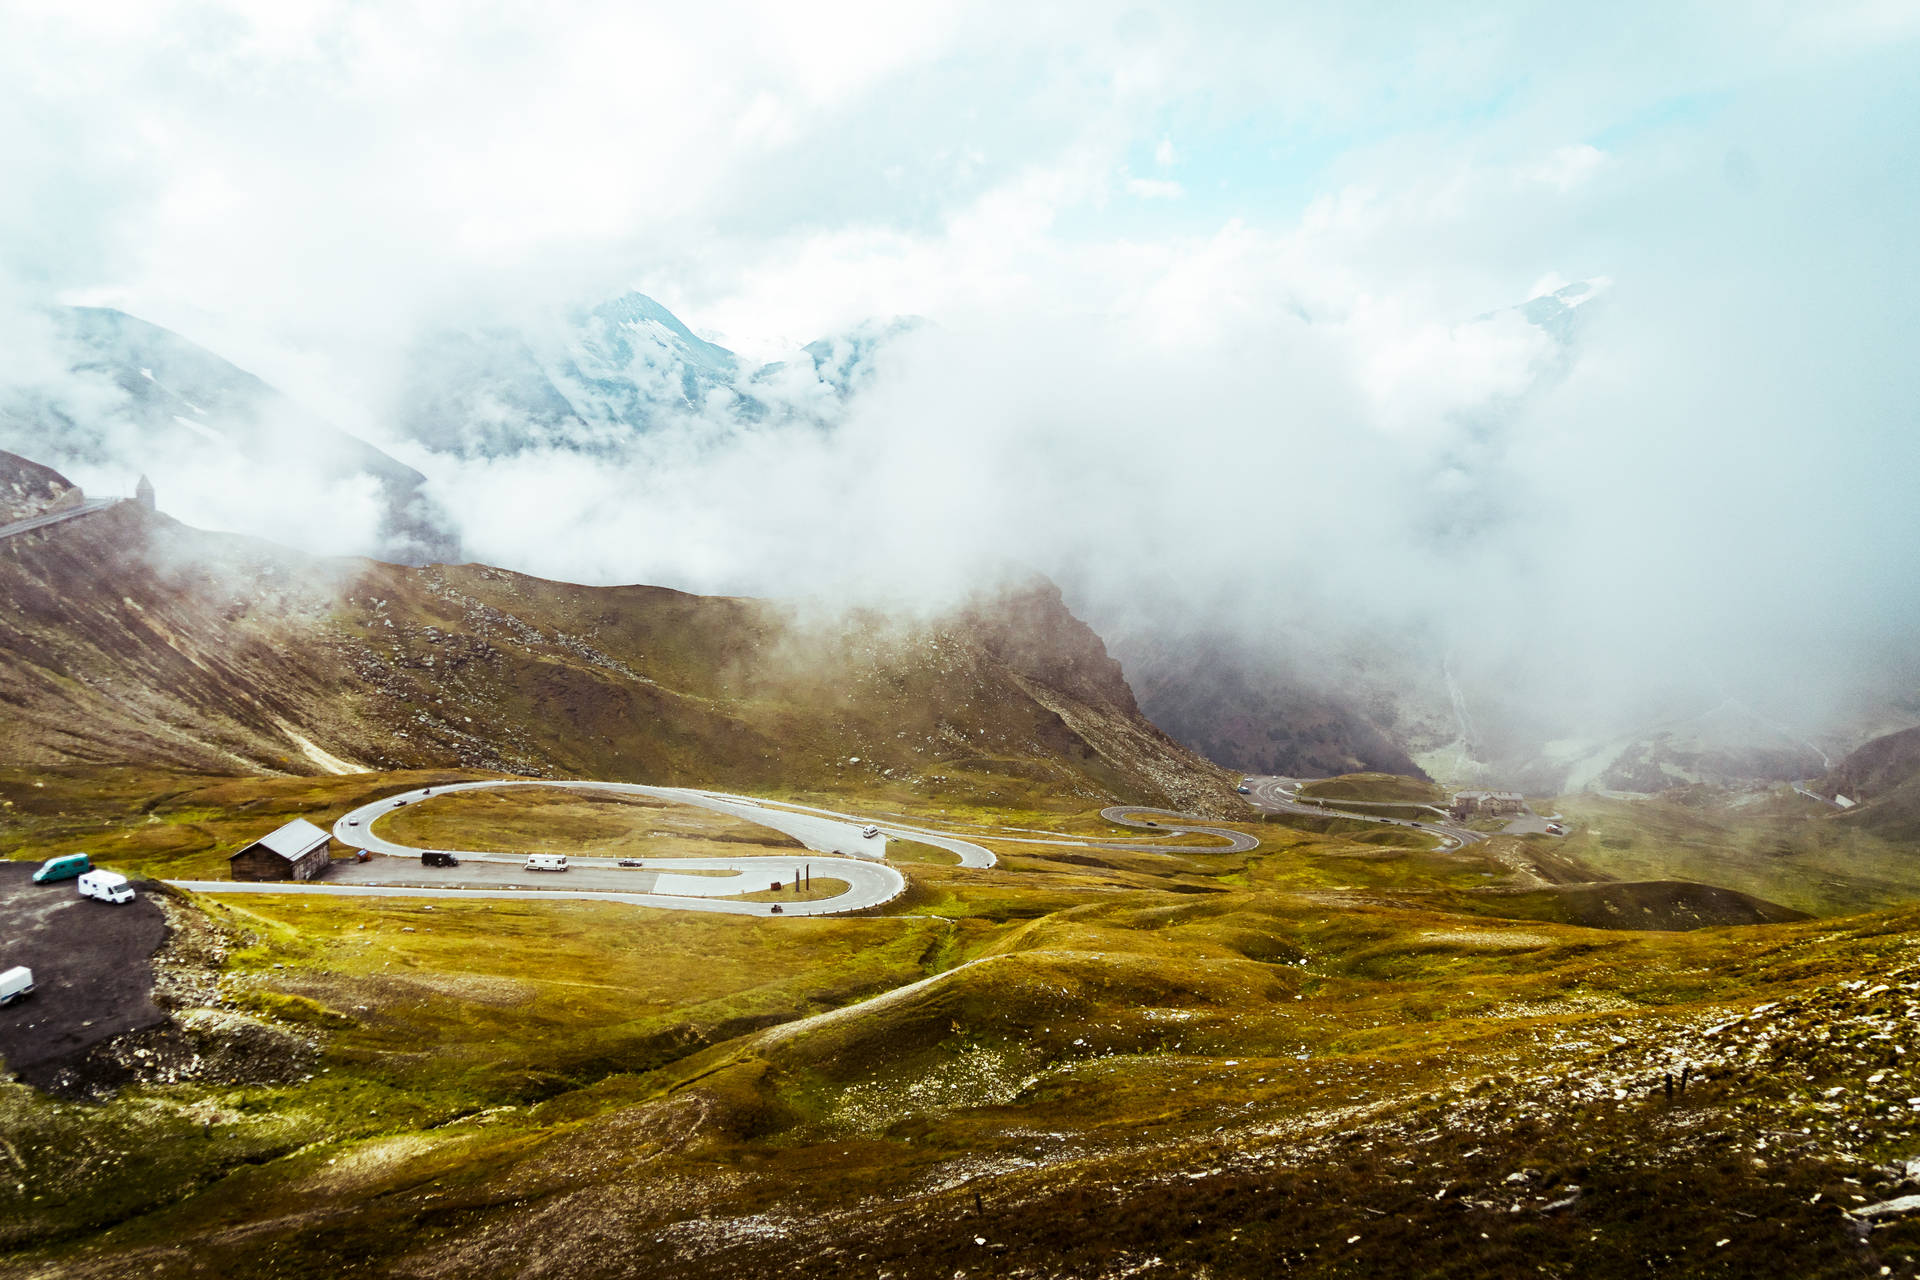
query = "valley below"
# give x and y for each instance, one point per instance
(1077, 1001)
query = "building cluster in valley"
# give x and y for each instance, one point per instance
(1486, 804)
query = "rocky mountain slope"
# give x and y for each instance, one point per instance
(28, 489)
(1258, 710)
(1882, 778)
(133, 638)
(123, 395)
(1252, 712)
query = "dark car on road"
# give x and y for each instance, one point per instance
(437, 858)
(628, 862)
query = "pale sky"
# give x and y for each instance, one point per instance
(773, 171)
(1208, 278)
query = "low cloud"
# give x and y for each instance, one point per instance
(1306, 403)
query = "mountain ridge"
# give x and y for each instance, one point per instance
(141, 398)
(135, 638)
(592, 379)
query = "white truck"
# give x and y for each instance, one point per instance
(108, 886)
(546, 862)
(14, 983)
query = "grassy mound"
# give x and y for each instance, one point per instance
(1668, 905)
(1381, 787)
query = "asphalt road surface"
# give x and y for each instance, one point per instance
(969, 853)
(849, 855)
(1281, 795)
(55, 517)
(1165, 820)
(657, 882)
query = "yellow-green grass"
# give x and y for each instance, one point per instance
(158, 823)
(1126, 1025)
(597, 824)
(1387, 787)
(820, 888)
(1409, 812)
(913, 851)
(1775, 845)
(1067, 815)
(437, 1010)
(1089, 1016)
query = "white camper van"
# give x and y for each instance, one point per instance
(108, 886)
(546, 862)
(14, 983)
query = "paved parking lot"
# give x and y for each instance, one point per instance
(92, 970)
(508, 871)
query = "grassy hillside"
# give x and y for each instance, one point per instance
(131, 639)
(1773, 844)
(1379, 787)
(1343, 1052)
(595, 824)
(1318, 1056)
(1883, 779)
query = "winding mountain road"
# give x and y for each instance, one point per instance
(1128, 815)
(31, 523)
(692, 884)
(657, 882)
(1281, 795)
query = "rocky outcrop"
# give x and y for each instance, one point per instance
(1250, 713)
(28, 489)
(1882, 780)
(1877, 769)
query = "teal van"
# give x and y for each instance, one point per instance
(74, 864)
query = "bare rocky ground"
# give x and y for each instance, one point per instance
(125, 995)
(92, 969)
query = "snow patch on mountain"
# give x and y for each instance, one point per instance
(596, 380)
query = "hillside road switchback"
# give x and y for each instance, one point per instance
(1281, 795)
(839, 846)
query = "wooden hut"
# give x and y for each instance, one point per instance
(297, 851)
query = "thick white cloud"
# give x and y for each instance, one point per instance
(1242, 401)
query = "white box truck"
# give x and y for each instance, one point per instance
(14, 983)
(546, 862)
(108, 886)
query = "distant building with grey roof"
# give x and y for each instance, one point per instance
(297, 851)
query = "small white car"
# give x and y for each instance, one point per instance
(869, 832)
(107, 886)
(14, 983)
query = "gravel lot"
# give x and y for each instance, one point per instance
(91, 967)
